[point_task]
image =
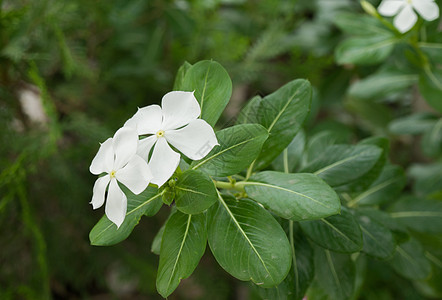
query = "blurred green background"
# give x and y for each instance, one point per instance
(71, 73)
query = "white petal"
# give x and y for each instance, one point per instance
(428, 9)
(125, 144)
(116, 203)
(195, 140)
(147, 120)
(145, 145)
(99, 191)
(163, 162)
(135, 175)
(406, 19)
(390, 8)
(104, 159)
(179, 108)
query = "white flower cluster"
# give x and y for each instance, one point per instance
(403, 10)
(135, 162)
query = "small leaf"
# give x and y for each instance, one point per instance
(430, 86)
(362, 25)
(293, 196)
(195, 192)
(410, 261)
(156, 244)
(183, 244)
(212, 86)
(340, 233)
(341, 164)
(365, 50)
(239, 146)
(179, 78)
(106, 233)
(249, 113)
(248, 242)
(416, 123)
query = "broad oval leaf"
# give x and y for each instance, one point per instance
(341, 164)
(365, 50)
(416, 123)
(249, 113)
(248, 242)
(239, 146)
(410, 261)
(384, 189)
(378, 240)
(293, 196)
(335, 274)
(194, 192)
(282, 113)
(212, 86)
(183, 244)
(291, 156)
(340, 233)
(106, 233)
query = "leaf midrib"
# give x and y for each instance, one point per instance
(339, 232)
(244, 234)
(340, 162)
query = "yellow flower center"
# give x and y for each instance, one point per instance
(160, 133)
(112, 174)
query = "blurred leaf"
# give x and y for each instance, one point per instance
(432, 140)
(358, 24)
(340, 233)
(293, 196)
(427, 178)
(258, 249)
(106, 233)
(183, 245)
(416, 123)
(430, 86)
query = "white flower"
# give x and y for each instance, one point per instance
(175, 123)
(404, 12)
(117, 157)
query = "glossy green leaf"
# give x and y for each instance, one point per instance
(334, 274)
(320, 141)
(106, 233)
(382, 85)
(248, 242)
(365, 50)
(293, 196)
(378, 240)
(416, 123)
(282, 113)
(410, 261)
(250, 112)
(340, 233)
(430, 86)
(291, 156)
(384, 189)
(421, 215)
(341, 164)
(301, 273)
(239, 146)
(212, 86)
(183, 244)
(194, 192)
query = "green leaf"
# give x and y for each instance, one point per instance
(335, 274)
(427, 178)
(239, 146)
(291, 155)
(413, 124)
(382, 85)
(384, 189)
(430, 86)
(249, 113)
(293, 196)
(410, 261)
(432, 140)
(341, 164)
(357, 24)
(212, 86)
(156, 244)
(248, 242)
(433, 50)
(365, 50)
(422, 215)
(378, 240)
(183, 244)
(282, 113)
(301, 273)
(195, 192)
(320, 141)
(105, 232)
(340, 233)
(179, 78)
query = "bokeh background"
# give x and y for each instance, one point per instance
(71, 73)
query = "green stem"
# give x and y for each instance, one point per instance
(250, 170)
